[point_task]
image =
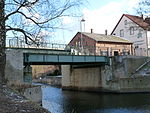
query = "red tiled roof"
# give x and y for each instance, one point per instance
(144, 23)
(139, 20)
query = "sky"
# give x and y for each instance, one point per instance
(99, 15)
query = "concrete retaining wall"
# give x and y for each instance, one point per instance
(34, 94)
(125, 66)
(125, 85)
(118, 76)
(135, 83)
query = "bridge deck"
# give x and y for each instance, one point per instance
(40, 50)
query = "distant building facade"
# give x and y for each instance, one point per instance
(100, 44)
(135, 29)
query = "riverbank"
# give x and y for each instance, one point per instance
(50, 80)
(13, 102)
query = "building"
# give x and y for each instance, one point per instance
(100, 44)
(135, 29)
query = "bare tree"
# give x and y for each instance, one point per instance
(28, 18)
(143, 7)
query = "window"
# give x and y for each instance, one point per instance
(125, 22)
(139, 34)
(104, 53)
(76, 44)
(116, 53)
(131, 30)
(121, 33)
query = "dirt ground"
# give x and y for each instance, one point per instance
(13, 102)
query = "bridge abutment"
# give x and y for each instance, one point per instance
(116, 77)
(14, 67)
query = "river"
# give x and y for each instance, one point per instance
(57, 100)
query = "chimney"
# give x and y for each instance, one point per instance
(106, 32)
(91, 31)
(147, 20)
(142, 16)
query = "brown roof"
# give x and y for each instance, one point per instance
(106, 38)
(144, 23)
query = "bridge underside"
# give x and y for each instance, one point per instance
(47, 59)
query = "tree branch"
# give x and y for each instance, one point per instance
(24, 4)
(26, 35)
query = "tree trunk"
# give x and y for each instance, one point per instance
(2, 42)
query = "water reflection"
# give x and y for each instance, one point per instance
(58, 101)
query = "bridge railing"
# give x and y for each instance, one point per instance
(16, 43)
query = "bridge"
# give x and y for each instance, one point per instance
(20, 58)
(38, 56)
(53, 53)
(82, 72)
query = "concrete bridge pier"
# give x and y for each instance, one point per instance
(85, 78)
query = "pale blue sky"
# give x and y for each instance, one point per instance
(99, 15)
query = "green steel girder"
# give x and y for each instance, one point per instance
(47, 59)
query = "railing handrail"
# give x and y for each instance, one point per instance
(140, 67)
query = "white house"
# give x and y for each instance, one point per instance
(137, 30)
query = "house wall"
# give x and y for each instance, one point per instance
(100, 48)
(140, 44)
(86, 40)
(122, 49)
(148, 38)
(88, 43)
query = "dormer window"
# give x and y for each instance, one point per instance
(131, 30)
(125, 22)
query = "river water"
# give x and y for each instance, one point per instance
(57, 100)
